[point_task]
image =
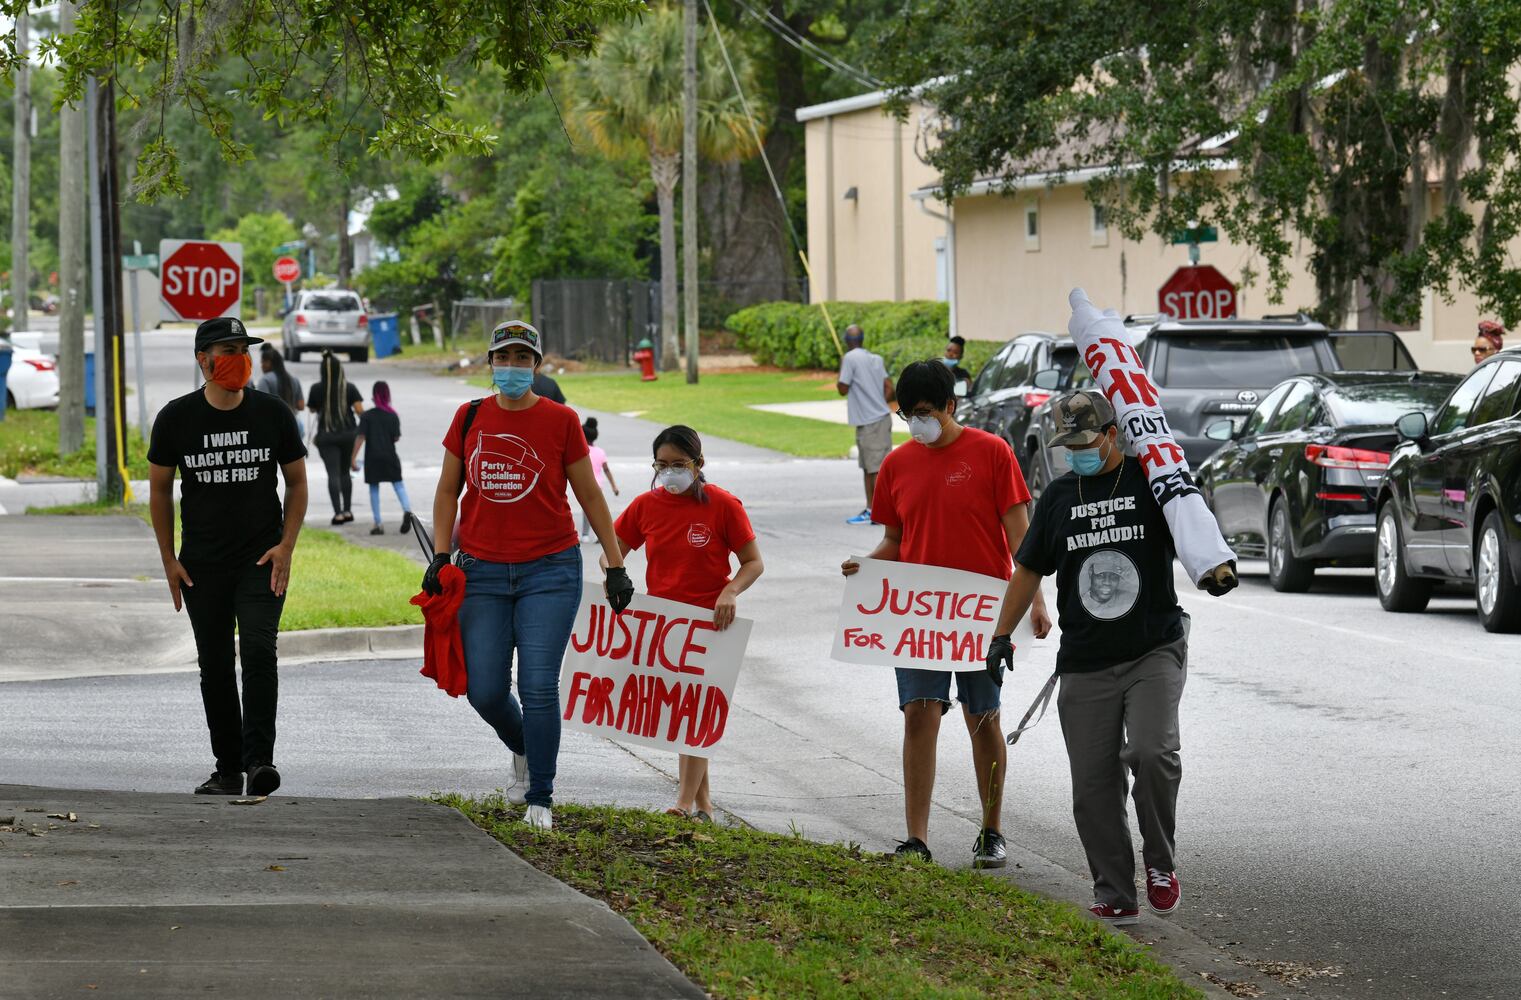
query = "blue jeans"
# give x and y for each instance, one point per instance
(529, 608)
(974, 689)
(401, 495)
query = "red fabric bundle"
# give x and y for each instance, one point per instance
(443, 649)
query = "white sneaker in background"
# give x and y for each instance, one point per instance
(517, 794)
(540, 818)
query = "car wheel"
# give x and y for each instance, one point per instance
(1037, 478)
(1397, 590)
(1495, 590)
(1286, 572)
(360, 356)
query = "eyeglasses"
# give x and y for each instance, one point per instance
(668, 466)
(922, 412)
(1482, 352)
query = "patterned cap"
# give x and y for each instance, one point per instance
(215, 331)
(1080, 417)
(515, 331)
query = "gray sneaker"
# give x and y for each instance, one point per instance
(988, 850)
(517, 794)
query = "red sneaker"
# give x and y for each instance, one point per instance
(1114, 916)
(1163, 891)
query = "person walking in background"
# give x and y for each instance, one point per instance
(691, 529)
(952, 497)
(276, 381)
(867, 390)
(337, 406)
(600, 469)
(379, 430)
(513, 453)
(1489, 339)
(955, 350)
(548, 388)
(234, 560)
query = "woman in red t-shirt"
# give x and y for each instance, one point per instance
(691, 529)
(513, 454)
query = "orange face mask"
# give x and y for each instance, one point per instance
(231, 371)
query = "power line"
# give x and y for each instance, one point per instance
(788, 34)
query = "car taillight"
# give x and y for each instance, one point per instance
(300, 319)
(42, 366)
(1034, 399)
(1338, 457)
(364, 320)
(1342, 497)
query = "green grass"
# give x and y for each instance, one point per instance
(29, 447)
(749, 914)
(334, 583)
(720, 405)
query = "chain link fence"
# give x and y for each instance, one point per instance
(593, 319)
(474, 319)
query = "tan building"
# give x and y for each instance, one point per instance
(1005, 261)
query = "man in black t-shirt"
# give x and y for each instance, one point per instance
(1123, 657)
(234, 559)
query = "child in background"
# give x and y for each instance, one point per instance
(379, 429)
(600, 469)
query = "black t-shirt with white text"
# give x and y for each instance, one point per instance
(230, 509)
(1112, 556)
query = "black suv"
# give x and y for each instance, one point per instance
(1208, 369)
(1450, 507)
(1004, 393)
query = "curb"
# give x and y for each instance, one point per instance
(318, 644)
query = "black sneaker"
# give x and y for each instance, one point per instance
(221, 784)
(263, 779)
(988, 850)
(913, 847)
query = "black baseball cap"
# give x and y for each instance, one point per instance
(223, 328)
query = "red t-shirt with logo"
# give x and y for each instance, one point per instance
(689, 541)
(514, 508)
(950, 502)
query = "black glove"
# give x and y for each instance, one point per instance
(620, 589)
(1000, 658)
(430, 584)
(1219, 584)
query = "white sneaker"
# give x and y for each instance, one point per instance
(517, 793)
(540, 818)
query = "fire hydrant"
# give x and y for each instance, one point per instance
(645, 355)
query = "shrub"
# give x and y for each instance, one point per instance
(793, 335)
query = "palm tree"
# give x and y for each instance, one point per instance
(628, 103)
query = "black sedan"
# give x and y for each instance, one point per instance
(1450, 507)
(1298, 479)
(1000, 399)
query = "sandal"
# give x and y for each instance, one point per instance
(673, 811)
(702, 817)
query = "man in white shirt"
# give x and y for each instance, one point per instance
(867, 391)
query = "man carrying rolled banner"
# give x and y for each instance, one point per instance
(1106, 531)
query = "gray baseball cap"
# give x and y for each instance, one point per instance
(1080, 417)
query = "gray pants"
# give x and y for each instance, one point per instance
(1125, 717)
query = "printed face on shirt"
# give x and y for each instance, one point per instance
(504, 468)
(1110, 584)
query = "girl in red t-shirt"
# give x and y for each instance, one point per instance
(691, 529)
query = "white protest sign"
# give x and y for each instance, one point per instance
(899, 614)
(659, 675)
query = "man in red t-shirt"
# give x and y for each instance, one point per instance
(953, 497)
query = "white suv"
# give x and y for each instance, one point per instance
(327, 319)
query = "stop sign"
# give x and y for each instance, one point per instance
(201, 280)
(287, 269)
(1197, 292)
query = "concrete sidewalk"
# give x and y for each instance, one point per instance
(177, 895)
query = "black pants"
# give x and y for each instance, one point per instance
(242, 733)
(337, 451)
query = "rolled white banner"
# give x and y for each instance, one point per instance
(1106, 349)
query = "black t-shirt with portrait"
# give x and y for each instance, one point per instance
(1112, 555)
(230, 509)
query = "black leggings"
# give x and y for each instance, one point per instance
(337, 452)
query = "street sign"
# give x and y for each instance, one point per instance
(1196, 234)
(140, 261)
(200, 279)
(287, 269)
(1197, 292)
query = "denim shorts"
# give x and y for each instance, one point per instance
(974, 689)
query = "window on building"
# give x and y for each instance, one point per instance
(1032, 226)
(1100, 226)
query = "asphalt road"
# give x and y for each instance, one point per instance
(1349, 792)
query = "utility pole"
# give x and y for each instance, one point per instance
(689, 184)
(71, 264)
(105, 213)
(21, 172)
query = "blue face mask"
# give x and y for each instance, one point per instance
(950, 362)
(514, 382)
(1086, 461)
